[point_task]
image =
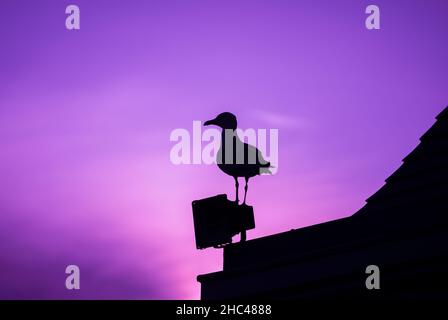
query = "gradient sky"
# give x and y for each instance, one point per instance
(85, 119)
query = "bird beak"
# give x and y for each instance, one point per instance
(210, 122)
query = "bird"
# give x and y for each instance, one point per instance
(234, 157)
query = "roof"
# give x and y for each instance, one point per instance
(413, 199)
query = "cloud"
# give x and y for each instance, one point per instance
(281, 120)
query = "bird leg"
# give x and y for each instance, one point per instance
(245, 189)
(236, 186)
(243, 236)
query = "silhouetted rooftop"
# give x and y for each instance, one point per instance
(411, 205)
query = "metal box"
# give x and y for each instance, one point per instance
(217, 220)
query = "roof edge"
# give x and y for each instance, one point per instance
(443, 115)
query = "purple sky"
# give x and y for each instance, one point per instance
(85, 119)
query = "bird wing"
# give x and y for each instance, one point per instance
(253, 154)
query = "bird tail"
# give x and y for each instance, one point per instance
(264, 168)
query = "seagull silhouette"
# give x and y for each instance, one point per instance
(234, 157)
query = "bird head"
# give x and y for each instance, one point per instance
(225, 120)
